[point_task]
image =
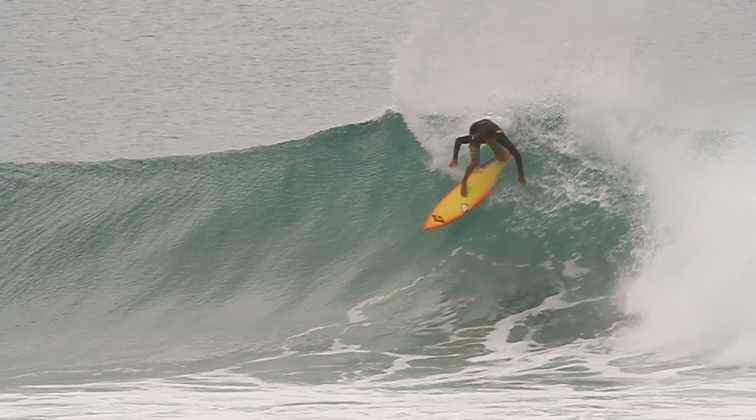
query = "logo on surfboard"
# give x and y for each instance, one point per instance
(466, 207)
(437, 218)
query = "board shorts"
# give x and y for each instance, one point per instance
(475, 150)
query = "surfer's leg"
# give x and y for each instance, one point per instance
(499, 150)
(475, 152)
(474, 162)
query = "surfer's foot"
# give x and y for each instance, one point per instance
(463, 190)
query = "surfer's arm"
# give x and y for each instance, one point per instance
(458, 143)
(518, 159)
(504, 141)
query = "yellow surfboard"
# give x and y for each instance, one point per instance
(480, 183)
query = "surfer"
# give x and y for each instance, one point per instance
(485, 131)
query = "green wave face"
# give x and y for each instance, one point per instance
(225, 258)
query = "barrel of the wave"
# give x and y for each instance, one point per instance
(480, 183)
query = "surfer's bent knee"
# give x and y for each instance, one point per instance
(500, 152)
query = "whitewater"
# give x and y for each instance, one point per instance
(214, 211)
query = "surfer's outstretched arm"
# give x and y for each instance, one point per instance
(504, 141)
(457, 144)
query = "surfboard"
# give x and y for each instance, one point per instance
(480, 183)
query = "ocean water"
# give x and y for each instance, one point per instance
(214, 211)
